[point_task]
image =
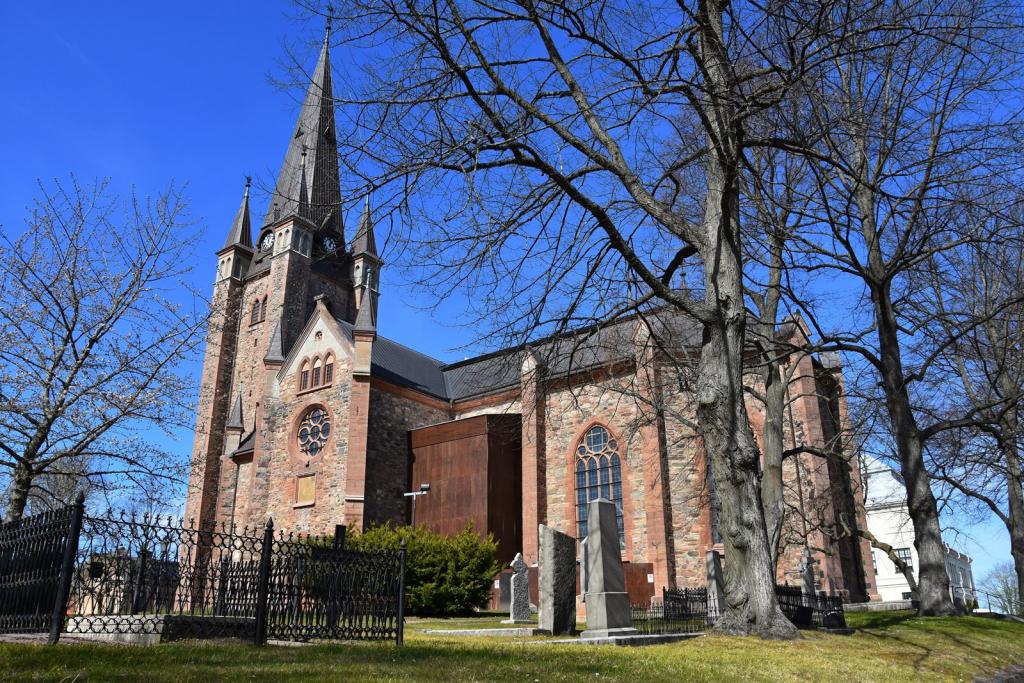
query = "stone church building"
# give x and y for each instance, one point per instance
(310, 415)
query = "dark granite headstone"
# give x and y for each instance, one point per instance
(557, 613)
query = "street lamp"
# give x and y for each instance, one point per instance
(424, 490)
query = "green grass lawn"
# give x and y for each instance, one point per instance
(891, 646)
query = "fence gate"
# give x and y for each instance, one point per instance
(322, 592)
(33, 551)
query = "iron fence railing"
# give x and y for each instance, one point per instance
(688, 610)
(678, 611)
(32, 554)
(116, 574)
(807, 610)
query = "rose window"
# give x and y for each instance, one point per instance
(313, 431)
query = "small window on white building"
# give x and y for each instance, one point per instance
(908, 559)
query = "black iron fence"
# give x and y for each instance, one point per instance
(687, 611)
(32, 553)
(807, 610)
(679, 611)
(144, 577)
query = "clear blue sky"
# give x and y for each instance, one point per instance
(146, 96)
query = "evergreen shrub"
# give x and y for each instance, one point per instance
(444, 575)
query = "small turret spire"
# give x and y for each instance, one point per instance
(364, 241)
(241, 228)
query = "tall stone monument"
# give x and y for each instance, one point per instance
(520, 603)
(608, 609)
(557, 609)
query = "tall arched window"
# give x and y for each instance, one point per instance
(304, 377)
(255, 317)
(598, 475)
(263, 309)
(316, 372)
(329, 369)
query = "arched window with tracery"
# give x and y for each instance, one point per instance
(304, 376)
(598, 475)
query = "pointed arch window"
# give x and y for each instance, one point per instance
(304, 377)
(316, 372)
(329, 369)
(255, 316)
(598, 475)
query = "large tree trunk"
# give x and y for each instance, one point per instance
(750, 600)
(1015, 518)
(750, 603)
(21, 483)
(933, 583)
(771, 479)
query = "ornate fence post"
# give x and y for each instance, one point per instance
(263, 583)
(399, 637)
(67, 570)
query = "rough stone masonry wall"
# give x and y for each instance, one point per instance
(689, 494)
(570, 411)
(387, 452)
(213, 405)
(276, 466)
(253, 340)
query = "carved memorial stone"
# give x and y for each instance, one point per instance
(520, 603)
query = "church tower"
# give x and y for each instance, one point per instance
(264, 294)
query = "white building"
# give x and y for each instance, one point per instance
(885, 502)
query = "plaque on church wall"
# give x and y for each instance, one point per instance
(304, 489)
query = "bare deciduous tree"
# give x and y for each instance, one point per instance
(978, 302)
(900, 149)
(92, 330)
(527, 138)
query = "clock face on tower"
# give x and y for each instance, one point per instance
(329, 244)
(267, 241)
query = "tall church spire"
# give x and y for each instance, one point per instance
(315, 133)
(241, 228)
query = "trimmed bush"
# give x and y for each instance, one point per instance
(444, 575)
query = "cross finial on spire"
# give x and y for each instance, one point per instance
(327, 31)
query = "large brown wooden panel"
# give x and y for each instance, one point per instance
(473, 467)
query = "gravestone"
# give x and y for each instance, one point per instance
(608, 609)
(807, 574)
(520, 603)
(716, 586)
(557, 613)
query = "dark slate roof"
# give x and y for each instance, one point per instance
(241, 228)
(560, 355)
(483, 375)
(403, 366)
(315, 135)
(247, 442)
